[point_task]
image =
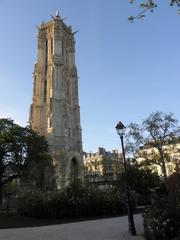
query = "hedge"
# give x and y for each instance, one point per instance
(74, 201)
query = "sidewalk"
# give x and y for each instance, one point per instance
(104, 229)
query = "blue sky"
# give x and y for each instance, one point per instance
(126, 71)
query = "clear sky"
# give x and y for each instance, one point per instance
(126, 71)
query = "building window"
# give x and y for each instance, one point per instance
(66, 57)
(170, 168)
(46, 52)
(46, 70)
(34, 86)
(67, 89)
(69, 132)
(45, 89)
(154, 169)
(51, 45)
(62, 50)
(74, 170)
(50, 120)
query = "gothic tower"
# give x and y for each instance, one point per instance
(55, 110)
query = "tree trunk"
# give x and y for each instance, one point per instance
(163, 166)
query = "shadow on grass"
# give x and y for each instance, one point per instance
(14, 220)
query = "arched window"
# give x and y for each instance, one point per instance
(67, 90)
(46, 68)
(46, 52)
(74, 170)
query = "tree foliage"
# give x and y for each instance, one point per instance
(22, 153)
(149, 6)
(158, 130)
(140, 180)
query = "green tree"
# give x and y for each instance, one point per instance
(140, 180)
(149, 6)
(22, 153)
(155, 132)
(37, 159)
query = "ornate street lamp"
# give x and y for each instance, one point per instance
(120, 128)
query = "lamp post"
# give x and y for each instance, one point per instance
(120, 128)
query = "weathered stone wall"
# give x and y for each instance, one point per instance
(55, 110)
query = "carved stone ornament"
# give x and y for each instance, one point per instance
(74, 71)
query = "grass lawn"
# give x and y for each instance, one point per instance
(13, 220)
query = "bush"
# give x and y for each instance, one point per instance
(75, 201)
(162, 219)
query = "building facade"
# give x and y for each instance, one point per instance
(102, 168)
(55, 111)
(171, 152)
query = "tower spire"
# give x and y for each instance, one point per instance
(57, 14)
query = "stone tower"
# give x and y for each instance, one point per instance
(55, 111)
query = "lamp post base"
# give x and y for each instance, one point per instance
(132, 229)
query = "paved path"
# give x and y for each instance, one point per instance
(104, 229)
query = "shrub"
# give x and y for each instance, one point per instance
(74, 201)
(162, 219)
